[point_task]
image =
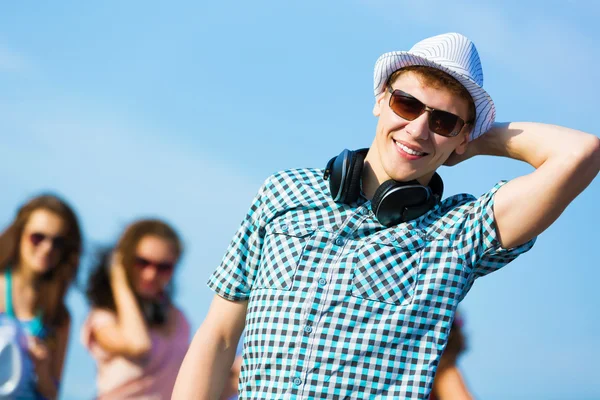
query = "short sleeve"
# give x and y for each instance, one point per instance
(478, 242)
(97, 318)
(234, 277)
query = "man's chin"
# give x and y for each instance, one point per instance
(403, 176)
(422, 177)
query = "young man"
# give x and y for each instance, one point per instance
(347, 287)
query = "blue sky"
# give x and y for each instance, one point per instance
(182, 109)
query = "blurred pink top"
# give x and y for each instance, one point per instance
(152, 378)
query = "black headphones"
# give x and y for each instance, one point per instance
(393, 202)
(155, 312)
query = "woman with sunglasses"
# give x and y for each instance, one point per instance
(134, 332)
(39, 257)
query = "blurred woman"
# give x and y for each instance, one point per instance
(134, 332)
(39, 257)
(449, 383)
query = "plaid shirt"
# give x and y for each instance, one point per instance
(341, 306)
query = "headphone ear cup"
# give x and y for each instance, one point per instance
(351, 189)
(381, 192)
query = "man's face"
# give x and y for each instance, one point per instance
(405, 150)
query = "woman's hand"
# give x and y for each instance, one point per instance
(40, 355)
(116, 269)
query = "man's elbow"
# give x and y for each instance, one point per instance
(211, 335)
(594, 149)
(588, 152)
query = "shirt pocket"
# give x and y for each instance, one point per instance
(386, 268)
(283, 247)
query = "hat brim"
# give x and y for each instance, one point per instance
(485, 110)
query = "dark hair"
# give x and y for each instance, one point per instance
(54, 283)
(99, 290)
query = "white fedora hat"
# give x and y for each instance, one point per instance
(452, 53)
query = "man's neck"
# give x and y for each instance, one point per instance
(373, 176)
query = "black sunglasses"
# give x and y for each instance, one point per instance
(58, 242)
(162, 267)
(441, 122)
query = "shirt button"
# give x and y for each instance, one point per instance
(322, 282)
(297, 381)
(284, 228)
(307, 329)
(362, 211)
(339, 241)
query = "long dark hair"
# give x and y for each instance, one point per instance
(99, 290)
(53, 287)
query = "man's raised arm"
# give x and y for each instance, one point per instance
(566, 161)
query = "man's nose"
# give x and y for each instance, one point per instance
(419, 127)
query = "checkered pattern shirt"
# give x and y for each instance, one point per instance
(342, 307)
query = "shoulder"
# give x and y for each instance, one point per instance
(464, 205)
(457, 204)
(181, 321)
(296, 177)
(178, 313)
(290, 188)
(458, 212)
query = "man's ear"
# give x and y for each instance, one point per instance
(378, 103)
(464, 143)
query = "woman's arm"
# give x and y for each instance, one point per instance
(49, 363)
(128, 335)
(449, 385)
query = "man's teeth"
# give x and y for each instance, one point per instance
(410, 151)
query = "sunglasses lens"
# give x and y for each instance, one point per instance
(37, 238)
(59, 242)
(165, 267)
(443, 123)
(141, 262)
(406, 107)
